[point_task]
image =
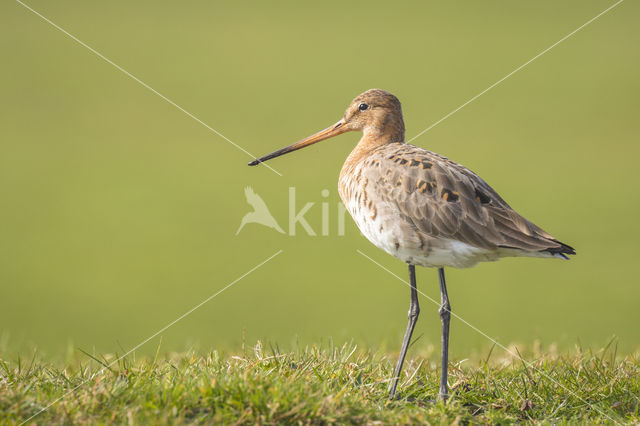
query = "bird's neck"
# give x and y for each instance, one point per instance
(387, 129)
(376, 136)
(373, 138)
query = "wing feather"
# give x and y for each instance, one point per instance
(443, 199)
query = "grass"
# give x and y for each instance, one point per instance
(324, 385)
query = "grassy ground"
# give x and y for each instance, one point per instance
(324, 385)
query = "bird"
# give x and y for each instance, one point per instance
(423, 208)
(260, 213)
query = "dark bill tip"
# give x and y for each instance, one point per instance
(254, 163)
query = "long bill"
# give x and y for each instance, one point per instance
(335, 130)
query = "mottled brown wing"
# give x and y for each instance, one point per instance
(446, 200)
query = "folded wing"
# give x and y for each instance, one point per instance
(443, 199)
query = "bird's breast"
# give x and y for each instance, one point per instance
(376, 214)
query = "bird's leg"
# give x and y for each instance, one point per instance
(445, 316)
(414, 311)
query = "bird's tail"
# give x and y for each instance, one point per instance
(561, 251)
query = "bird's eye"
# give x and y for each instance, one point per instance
(363, 107)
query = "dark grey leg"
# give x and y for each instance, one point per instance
(445, 316)
(414, 311)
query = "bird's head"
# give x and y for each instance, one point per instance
(376, 112)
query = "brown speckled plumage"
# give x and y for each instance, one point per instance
(439, 198)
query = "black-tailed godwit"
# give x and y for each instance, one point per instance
(423, 208)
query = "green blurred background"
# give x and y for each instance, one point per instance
(119, 212)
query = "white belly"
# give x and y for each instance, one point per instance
(389, 232)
